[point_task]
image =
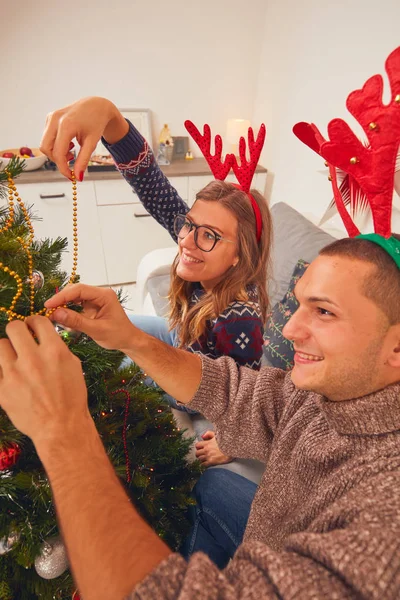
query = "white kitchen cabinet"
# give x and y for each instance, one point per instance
(128, 233)
(52, 202)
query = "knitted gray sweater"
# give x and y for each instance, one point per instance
(325, 522)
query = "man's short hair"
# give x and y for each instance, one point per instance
(382, 285)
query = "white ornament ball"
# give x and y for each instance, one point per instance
(7, 543)
(52, 560)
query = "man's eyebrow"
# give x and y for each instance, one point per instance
(317, 299)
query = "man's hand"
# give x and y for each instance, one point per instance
(42, 388)
(208, 452)
(178, 372)
(102, 318)
(86, 120)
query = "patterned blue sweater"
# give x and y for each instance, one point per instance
(238, 330)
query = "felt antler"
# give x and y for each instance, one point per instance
(310, 135)
(372, 167)
(219, 168)
(244, 173)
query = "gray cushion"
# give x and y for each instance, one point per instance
(294, 237)
(279, 351)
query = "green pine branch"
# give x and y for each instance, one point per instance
(14, 168)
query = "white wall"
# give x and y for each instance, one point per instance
(180, 59)
(314, 54)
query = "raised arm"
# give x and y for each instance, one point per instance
(92, 118)
(136, 162)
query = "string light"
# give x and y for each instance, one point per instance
(124, 430)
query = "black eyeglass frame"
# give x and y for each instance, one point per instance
(218, 236)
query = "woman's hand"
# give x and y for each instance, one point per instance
(86, 120)
(208, 452)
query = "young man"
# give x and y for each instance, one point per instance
(325, 522)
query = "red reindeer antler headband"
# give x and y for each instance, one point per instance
(220, 168)
(370, 168)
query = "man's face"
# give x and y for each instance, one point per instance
(340, 337)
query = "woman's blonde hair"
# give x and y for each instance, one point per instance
(251, 270)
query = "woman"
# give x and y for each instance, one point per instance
(218, 293)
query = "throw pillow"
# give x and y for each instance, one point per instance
(278, 350)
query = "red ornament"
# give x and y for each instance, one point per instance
(9, 456)
(76, 596)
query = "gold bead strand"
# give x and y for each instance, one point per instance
(10, 219)
(10, 311)
(26, 246)
(74, 228)
(75, 240)
(14, 196)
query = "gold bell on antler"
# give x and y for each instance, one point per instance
(354, 160)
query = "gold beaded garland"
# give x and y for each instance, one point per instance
(13, 197)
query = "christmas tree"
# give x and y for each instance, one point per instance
(146, 448)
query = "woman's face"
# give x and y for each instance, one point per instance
(209, 267)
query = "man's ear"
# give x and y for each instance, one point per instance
(394, 357)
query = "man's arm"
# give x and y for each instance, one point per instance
(178, 372)
(110, 547)
(43, 391)
(245, 405)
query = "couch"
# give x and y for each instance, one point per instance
(295, 237)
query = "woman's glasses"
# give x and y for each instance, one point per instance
(205, 238)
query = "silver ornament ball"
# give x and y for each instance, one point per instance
(52, 560)
(37, 278)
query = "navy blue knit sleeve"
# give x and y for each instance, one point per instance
(135, 161)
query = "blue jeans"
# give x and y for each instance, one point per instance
(158, 328)
(223, 501)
